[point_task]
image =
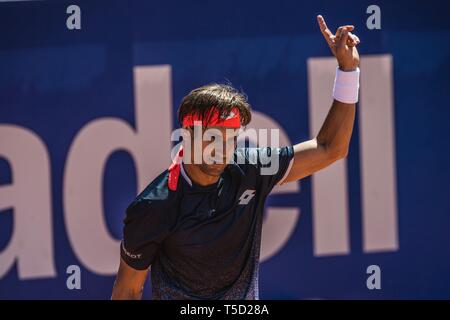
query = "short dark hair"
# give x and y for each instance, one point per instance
(221, 96)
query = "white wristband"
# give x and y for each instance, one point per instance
(346, 86)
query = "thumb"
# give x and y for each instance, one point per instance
(343, 39)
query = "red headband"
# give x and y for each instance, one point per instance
(233, 120)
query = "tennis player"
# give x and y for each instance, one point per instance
(198, 224)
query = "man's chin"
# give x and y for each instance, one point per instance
(215, 169)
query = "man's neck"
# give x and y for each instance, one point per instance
(198, 176)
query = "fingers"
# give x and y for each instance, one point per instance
(349, 27)
(343, 37)
(325, 31)
(339, 32)
(322, 24)
(353, 40)
(333, 41)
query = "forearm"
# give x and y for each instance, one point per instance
(123, 292)
(333, 140)
(129, 283)
(336, 131)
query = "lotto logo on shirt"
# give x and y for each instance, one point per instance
(247, 196)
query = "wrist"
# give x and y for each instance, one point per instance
(346, 86)
(347, 68)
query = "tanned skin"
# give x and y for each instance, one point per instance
(330, 145)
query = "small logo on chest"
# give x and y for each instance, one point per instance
(247, 196)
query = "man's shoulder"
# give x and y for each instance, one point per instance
(252, 157)
(245, 161)
(155, 195)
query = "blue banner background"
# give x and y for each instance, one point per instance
(53, 81)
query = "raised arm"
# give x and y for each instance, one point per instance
(333, 139)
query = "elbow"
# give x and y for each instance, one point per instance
(338, 153)
(335, 150)
(344, 153)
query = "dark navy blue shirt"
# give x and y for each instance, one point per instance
(203, 242)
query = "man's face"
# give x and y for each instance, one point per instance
(217, 148)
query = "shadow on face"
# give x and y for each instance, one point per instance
(217, 148)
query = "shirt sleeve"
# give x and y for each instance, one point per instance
(271, 165)
(145, 228)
